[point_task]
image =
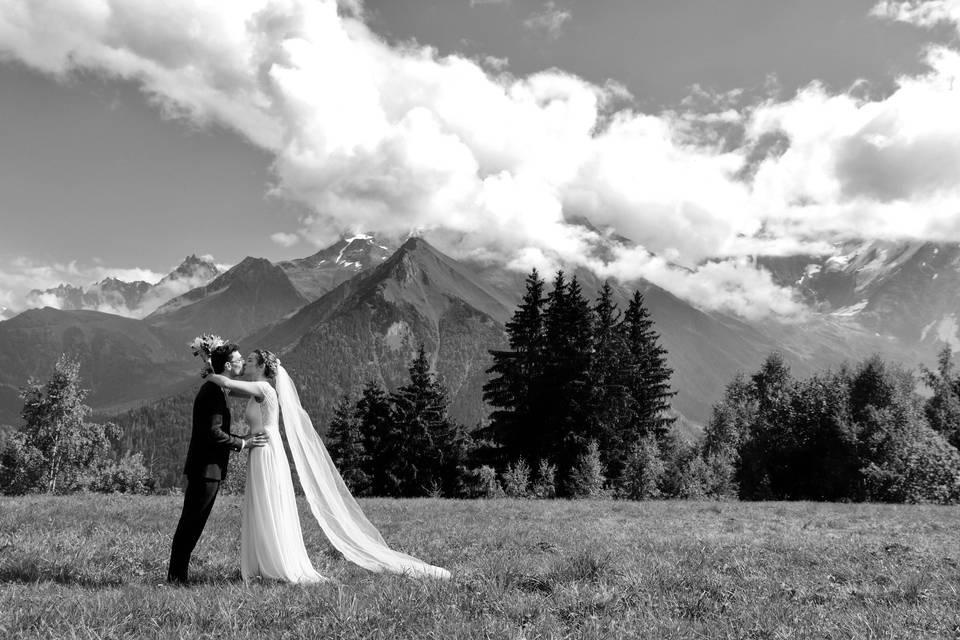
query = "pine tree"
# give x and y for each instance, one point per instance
(345, 443)
(514, 388)
(428, 456)
(567, 358)
(648, 374)
(381, 440)
(610, 398)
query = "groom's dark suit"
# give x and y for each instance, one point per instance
(207, 458)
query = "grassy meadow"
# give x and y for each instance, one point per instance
(92, 566)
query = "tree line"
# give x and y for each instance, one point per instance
(858, 433)
(579, 399)
(580, 407)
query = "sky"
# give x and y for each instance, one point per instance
(708, 131)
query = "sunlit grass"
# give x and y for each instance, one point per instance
(93, 567)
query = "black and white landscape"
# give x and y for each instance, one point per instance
(358, 310)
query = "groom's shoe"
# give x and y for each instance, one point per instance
(177, 581)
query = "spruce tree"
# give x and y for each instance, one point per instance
(346, 446)
(515, 387)
(648, 374)
(381, 439)
(609, 388)
(427, 457)
(567, 357)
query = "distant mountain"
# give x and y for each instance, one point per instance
(191, 273)
(122, 360)
(236, 303)
(135, 299)
(315, 275)
(905, 290)
(371, 326)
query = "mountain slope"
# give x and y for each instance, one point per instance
(906, 290)
(236, 303)
(371, 326)
(121, 359)
(315, 275)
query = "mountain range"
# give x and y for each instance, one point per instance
(359, 309)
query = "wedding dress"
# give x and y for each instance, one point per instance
(271, 539)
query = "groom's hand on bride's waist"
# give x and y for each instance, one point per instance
(254, 440)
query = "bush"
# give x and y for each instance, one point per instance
(644, 471)
(516, 480)
(21, 466)
(485, 483)
(127, 475)
(586, 478)
(545, 486)
(918, 469)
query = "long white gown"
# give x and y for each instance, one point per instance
(271, 540)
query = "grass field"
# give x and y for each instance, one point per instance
(93, 566)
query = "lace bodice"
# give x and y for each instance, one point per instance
(265, 415)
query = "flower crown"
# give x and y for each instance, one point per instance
(203, 347)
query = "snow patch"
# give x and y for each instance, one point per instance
(851, 310)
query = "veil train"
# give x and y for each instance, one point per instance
(332, 505)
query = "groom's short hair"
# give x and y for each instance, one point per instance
(220, 355)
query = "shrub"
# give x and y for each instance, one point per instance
(586, 478)
(486, 484)
(516, 480)
(545, 486)
(644, 471)
(127, 475)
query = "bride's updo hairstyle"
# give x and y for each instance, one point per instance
(269, 361)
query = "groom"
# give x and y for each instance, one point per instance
(207, 457)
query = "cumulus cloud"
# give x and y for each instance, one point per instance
(549, 20)
(398, 138)
(285, 239)
(27, 283)
(923, 13)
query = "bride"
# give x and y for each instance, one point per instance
(271, 540)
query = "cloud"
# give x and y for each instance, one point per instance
(285, 239)
(20, 275)
(495, 63)
(922, 13)
(26, 283)
(549, 20)
(374, 137)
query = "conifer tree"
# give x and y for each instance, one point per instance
(427, 452)
(567, 357)
(648, 373)
(346, 447)
(610, 399)
(381, 440)
(514, 388)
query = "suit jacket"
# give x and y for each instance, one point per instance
(211, 440)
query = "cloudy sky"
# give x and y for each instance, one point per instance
(133, 133)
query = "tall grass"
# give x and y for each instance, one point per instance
(93, 567)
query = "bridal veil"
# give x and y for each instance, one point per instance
(332, 505)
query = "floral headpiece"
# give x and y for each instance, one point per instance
(203, 347)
